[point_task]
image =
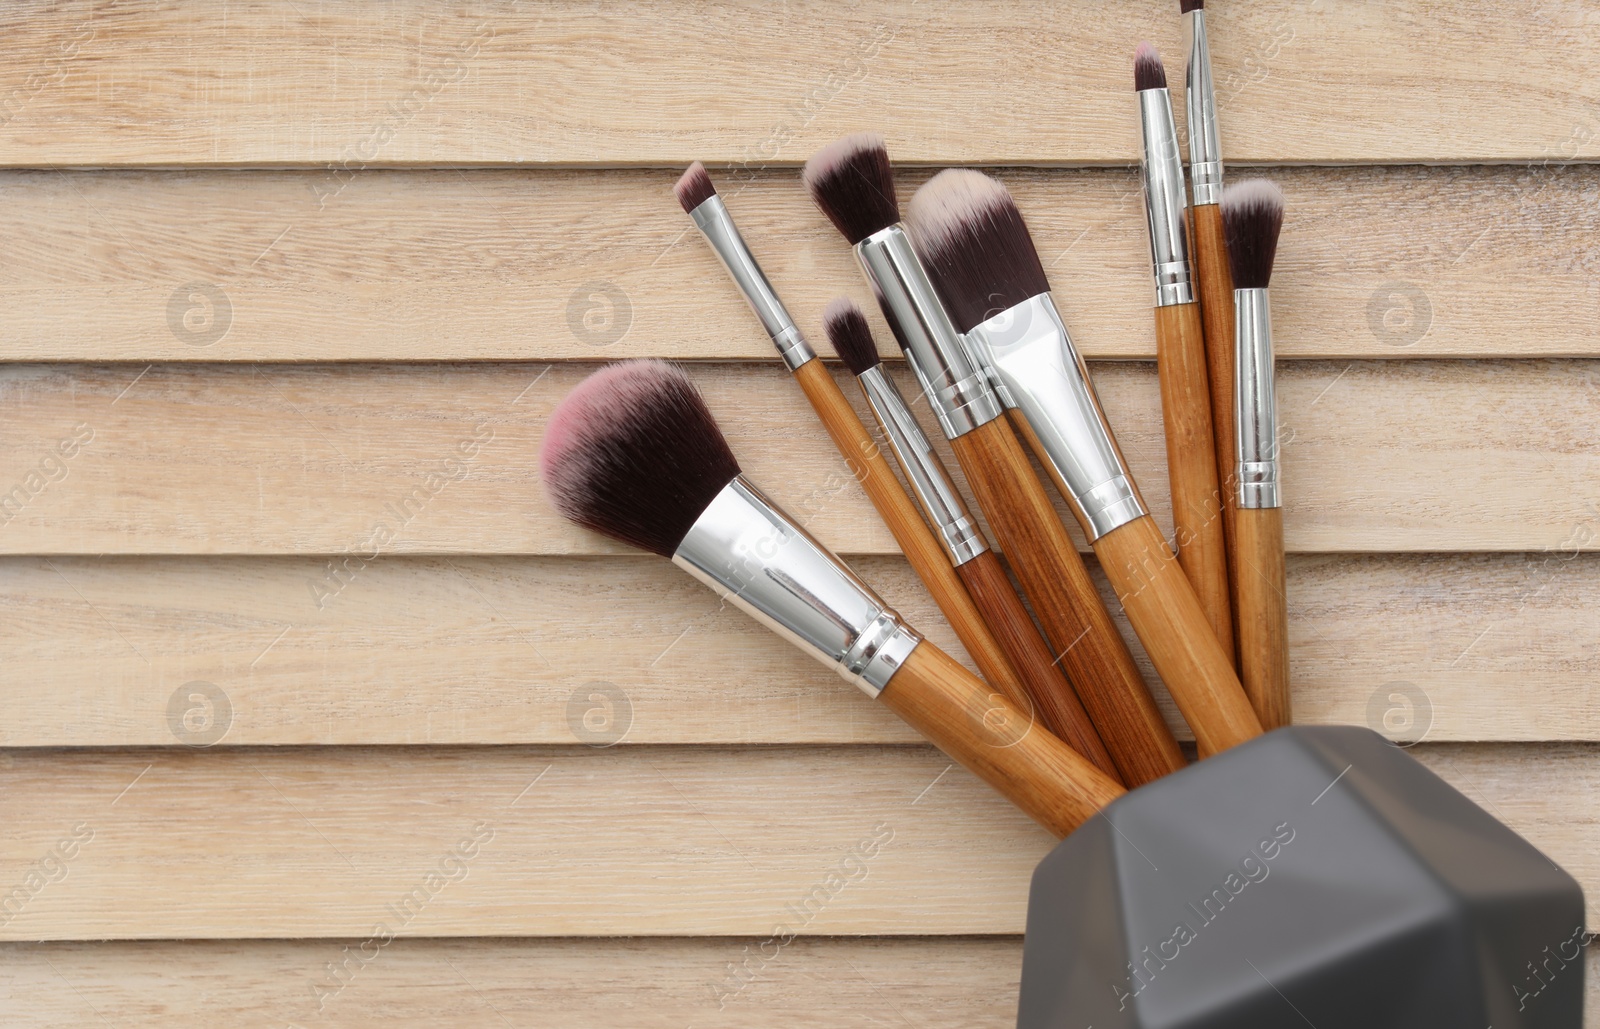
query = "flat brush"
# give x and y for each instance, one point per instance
(634, 454)
(852, 181)
(982, 259)
(978, 566)
(927, 557)
(1181, 355)
(1213, 275)
(1252, 214)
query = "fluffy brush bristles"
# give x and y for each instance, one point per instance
(850, 335)
(852, 180)
(1148, 72)
(634, 454)
(1185, 6)
(1252, 217)
(694, 187)
(975, 245)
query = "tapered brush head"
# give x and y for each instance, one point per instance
(1185, 6)
(1148, 72)
(975, 245)
(633, 453)
(852, 180)
(694, 187)
(1252, 216)
(850, 335)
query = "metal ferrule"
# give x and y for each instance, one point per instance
(750, 552)
(943, 505)
(716, 224)
(957, 387)
(1166, 205)
(1205, 147)
(1255, 404)
(1029, 350)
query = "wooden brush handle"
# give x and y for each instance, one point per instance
(1215, 281)
(1166, 614)
(1058, 707)
(927, 558)
(1192, 463)
(1086, 642)
(984, 732)
(1263, 614)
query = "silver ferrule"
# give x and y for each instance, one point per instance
(1205, 147)
(957, 387)
(750, 552)
(1165, 204)
(716, 224)
(1029, 350)
(1255, 405)
(941, 503)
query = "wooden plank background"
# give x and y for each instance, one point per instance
(272, 264)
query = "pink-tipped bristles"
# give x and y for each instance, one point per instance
(852, 181)
(850, 335)
(975, 245)
(1252, 217)
(634, 453)
(694, 187)
(1148, 72)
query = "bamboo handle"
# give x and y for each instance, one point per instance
(1086, 642)
(927, 558)
(978, 728)
(1166, 614)
(1216, 310)
(1058, 707)
(1192, 463)
(1263, 614)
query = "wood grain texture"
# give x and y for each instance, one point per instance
(1075, 619)
(869, 468)
(1377, 456)
(1051, 697)
(1001, 744)
(962, 983)
(1164, 611)
(1214, 281)
(1263, 614)
(317, 842)
(471, 650)
(1192, 464)
(1399, 262)
(502, 82)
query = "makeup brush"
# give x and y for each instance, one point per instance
(978, 566)
(852, 181)
(981, 257)
(1252, 214)
(1214, 278)
(1181, 355)
(982, 639)
(634, 454)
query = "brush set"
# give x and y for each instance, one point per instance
(1293, 875)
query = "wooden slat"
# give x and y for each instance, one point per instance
(496, 265)
(1379, 456)
(556, 984)
(243, 843)
(501, 650)
(264, 83)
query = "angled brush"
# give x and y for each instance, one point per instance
(634, 454)
(852, 181)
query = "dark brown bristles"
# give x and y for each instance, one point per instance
(633, 453)
(852, 181)
(850, 335)
(1252, 217)
(975, 245)
(694, 187)
(1148, 72)
(1185, 6)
